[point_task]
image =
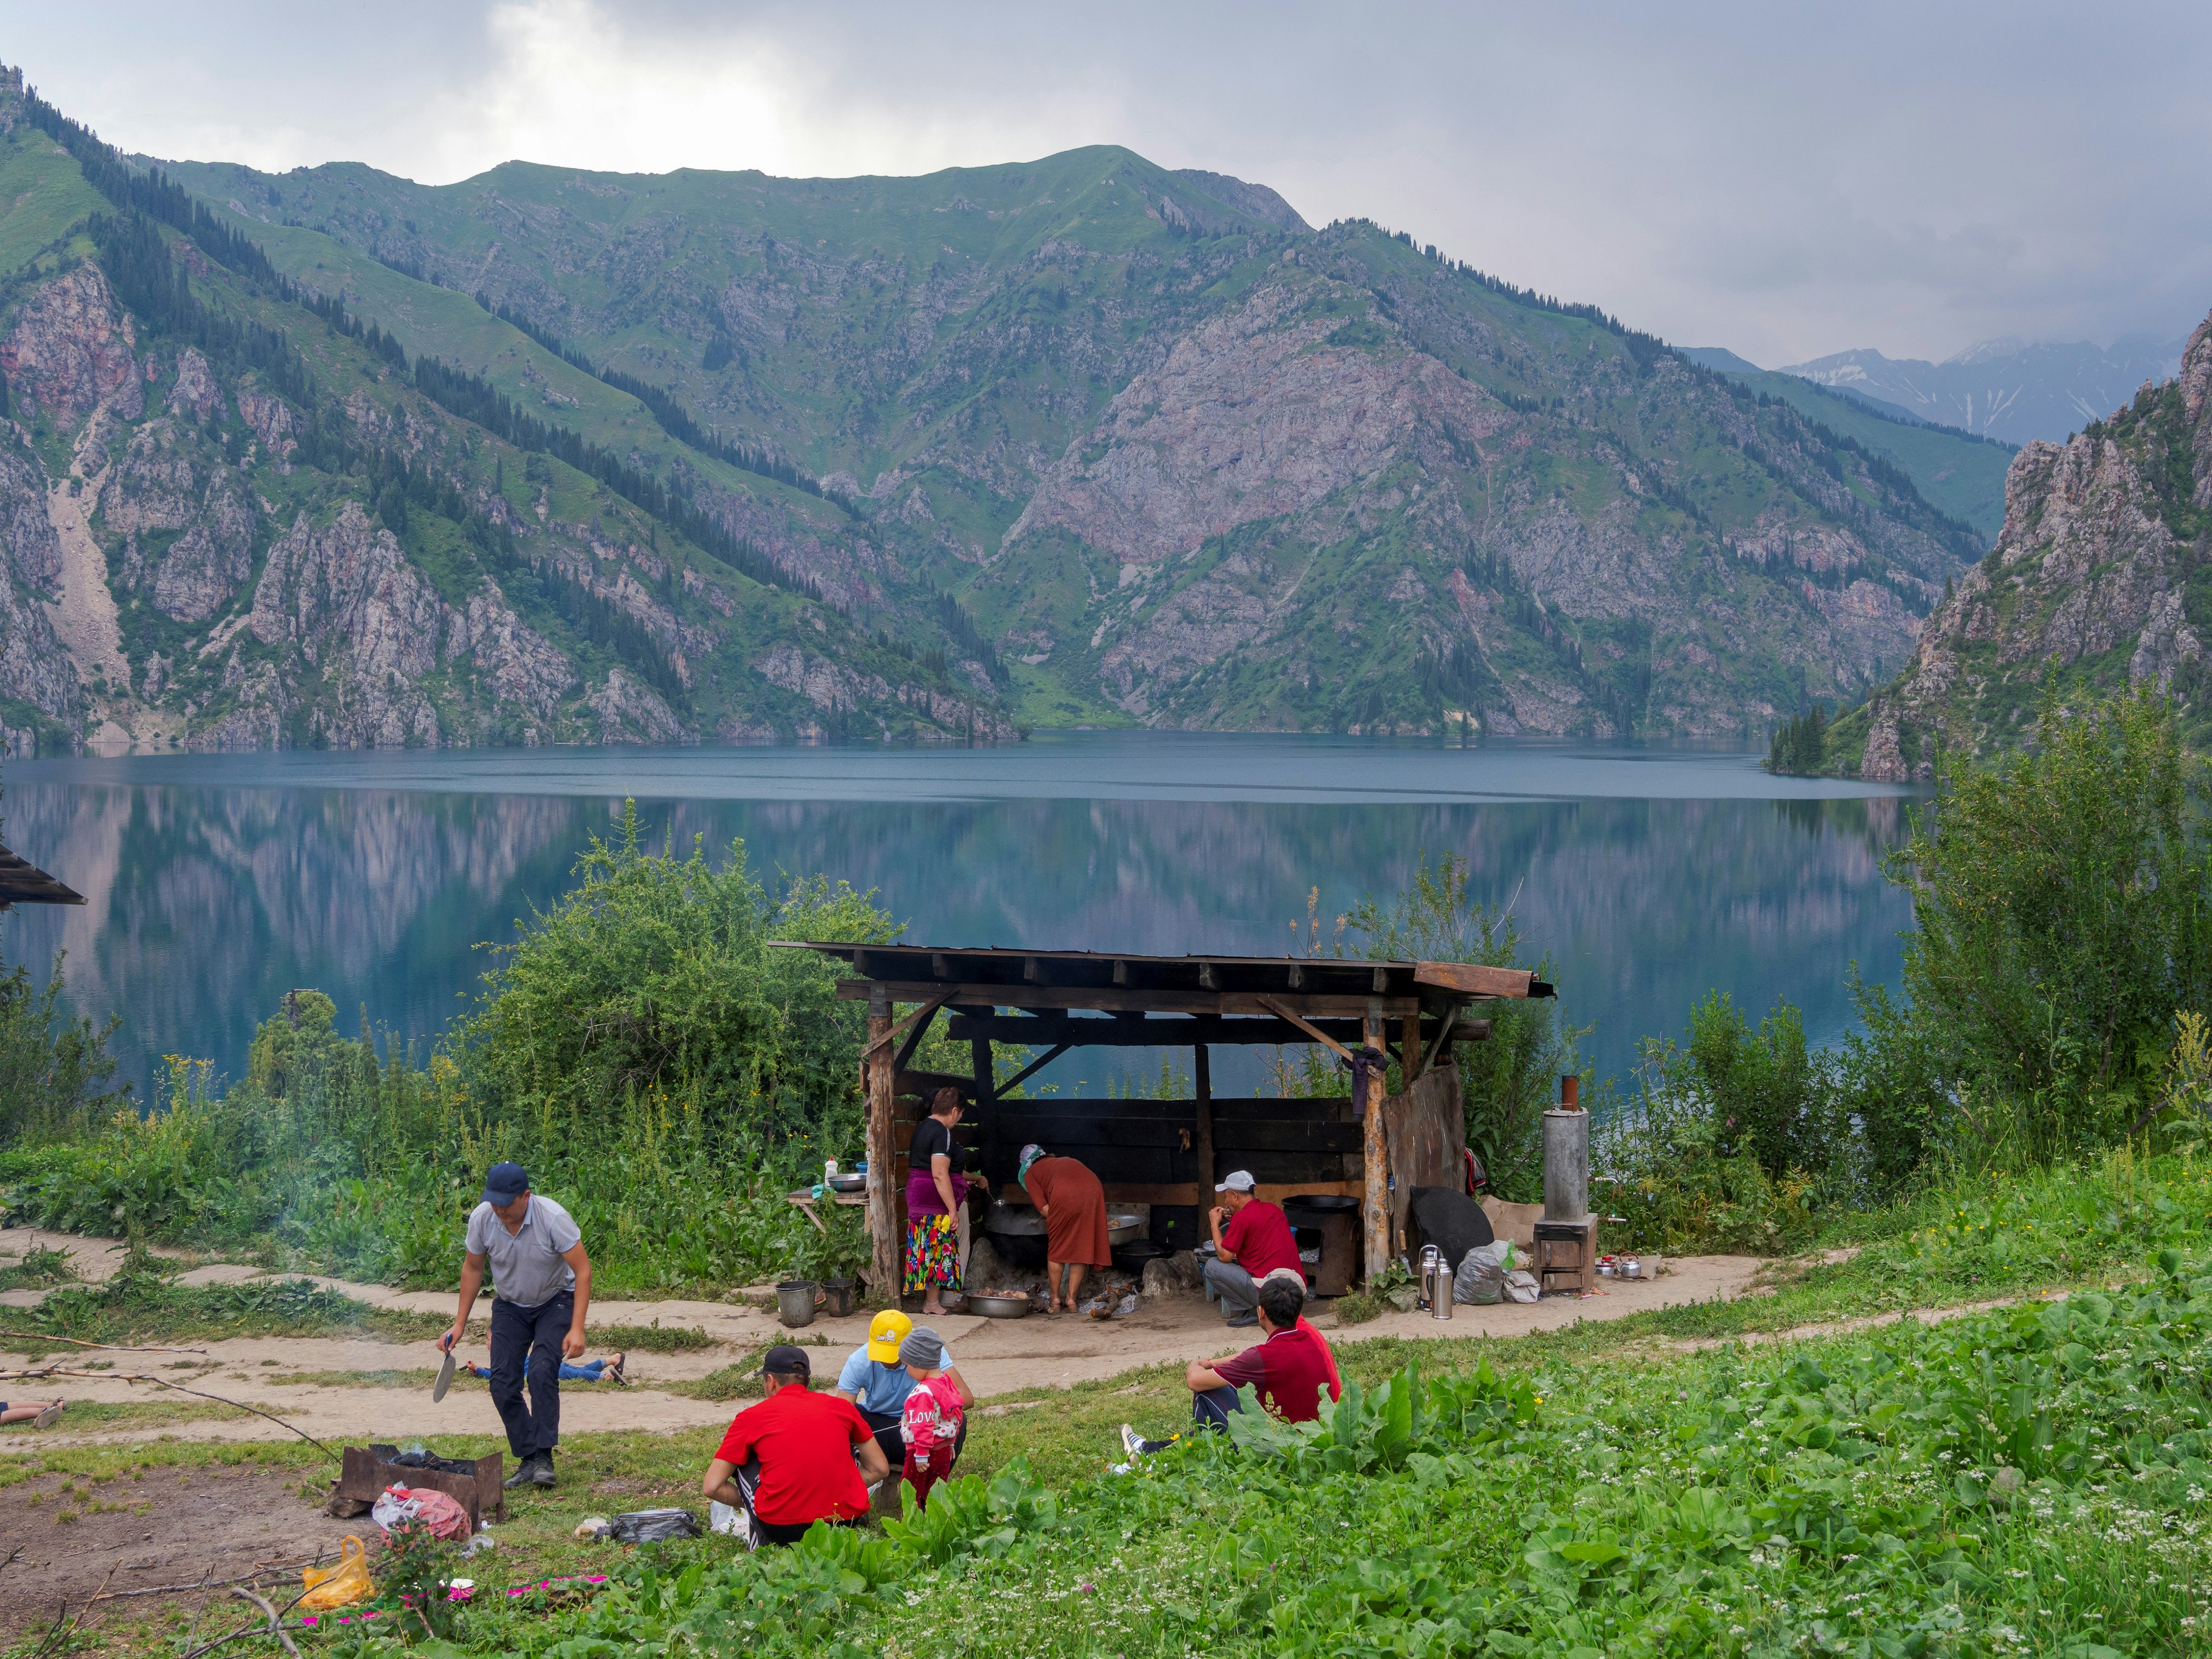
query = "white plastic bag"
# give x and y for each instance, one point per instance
(721, 1518)
(1521, 1287)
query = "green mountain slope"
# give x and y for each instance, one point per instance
(1181, 459)
(1957, 472)
(240, 513)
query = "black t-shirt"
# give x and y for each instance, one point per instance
(932, 1139)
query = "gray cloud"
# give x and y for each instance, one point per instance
(1911, 177)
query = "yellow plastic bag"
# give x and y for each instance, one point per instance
(340, 1586)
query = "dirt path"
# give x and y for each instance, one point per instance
(997, 1356)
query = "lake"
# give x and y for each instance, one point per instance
(1650, 875)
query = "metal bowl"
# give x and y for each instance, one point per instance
(999, 1307)
(848, 1183)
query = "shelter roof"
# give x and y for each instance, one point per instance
(1122, 982)
(24, 883)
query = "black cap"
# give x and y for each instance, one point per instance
(784, 1360)
(504, 1184)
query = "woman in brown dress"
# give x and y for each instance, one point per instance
(1073, 1205)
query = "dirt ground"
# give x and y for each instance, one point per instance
(996, 1356)
(167, 1526)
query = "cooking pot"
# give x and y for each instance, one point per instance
(1131, 1256)
(999, 1307)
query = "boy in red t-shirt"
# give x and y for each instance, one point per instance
(796, 1458)
(931, 1419)
(1292, 1371)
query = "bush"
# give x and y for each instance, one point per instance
(1720, 1148)
(55, 1072)
(2062, 918)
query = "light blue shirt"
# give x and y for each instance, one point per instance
(876, 1387)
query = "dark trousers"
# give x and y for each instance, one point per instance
(532, 1431)
(886, 1427)
(1210, 1409)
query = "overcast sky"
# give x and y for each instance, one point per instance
(1785, 180)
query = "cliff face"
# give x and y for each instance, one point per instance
(2102, 577)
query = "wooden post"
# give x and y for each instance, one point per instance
(1202, 1075)
(882, 1202)
(1378, 1154)
(986, 1108)
(1409, 1048)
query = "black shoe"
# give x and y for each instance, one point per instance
(525, 1473)
(541, 1474)
(1239, 1322)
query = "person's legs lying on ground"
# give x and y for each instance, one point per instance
(38, 1414)
(1238, 1294)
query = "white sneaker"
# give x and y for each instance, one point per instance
(1133, 1443)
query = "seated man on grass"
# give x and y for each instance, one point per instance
(1291, 1371)
(796, 1458)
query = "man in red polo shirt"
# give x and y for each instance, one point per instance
(1252, 1238)
(1292, 1372)
(796, 1458)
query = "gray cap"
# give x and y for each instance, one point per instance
(922, 1347)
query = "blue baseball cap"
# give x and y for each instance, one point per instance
(505, 1183)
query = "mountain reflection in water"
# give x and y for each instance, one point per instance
(216, 884)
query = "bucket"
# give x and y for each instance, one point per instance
(838, 1297)
(796, 1300)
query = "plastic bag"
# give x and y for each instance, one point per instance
(652, 1526)
(340, 1586)
(437, 1510)
(721, 1518)
(1521, 1287)
(1481, 1279)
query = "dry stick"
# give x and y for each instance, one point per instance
(122, 1347)
(275, 1628)
(164, 1383)
(57, 1636)
(221, 1583)
(245, 1630)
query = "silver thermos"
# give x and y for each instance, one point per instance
(1435, 1282)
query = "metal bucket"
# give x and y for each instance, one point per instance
(836, 1297)
(795, 1300)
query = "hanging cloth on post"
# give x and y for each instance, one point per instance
(1367, 1062)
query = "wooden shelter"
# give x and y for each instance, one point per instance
(1168, 1154)
(23, 883)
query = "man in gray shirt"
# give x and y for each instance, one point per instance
(543, 1281)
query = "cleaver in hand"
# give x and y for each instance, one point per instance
(445, 1377)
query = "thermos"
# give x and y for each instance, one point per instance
(1435, 1282)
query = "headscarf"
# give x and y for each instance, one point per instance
(1031, 1154)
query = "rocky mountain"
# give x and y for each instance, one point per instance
(2004, 389)
(237, 517)
(331, 457)
(2102, 577)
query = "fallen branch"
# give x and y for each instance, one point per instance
(221, 1583)
(120, 1347)
(275, 1629)
(275, 1624)
(36, 1372)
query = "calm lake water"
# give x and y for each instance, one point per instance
(217, 882)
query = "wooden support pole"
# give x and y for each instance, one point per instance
(1202, 1076)
(883, 1217)
(986, 1108)
(1409, 1048)
(1377, 1202)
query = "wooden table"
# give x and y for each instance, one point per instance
(804, 1201)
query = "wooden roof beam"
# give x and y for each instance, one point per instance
(1106, 999)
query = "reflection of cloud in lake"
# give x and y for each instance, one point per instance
(207, 902)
